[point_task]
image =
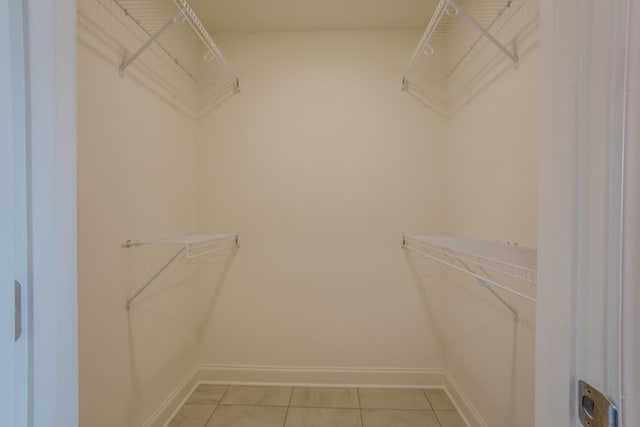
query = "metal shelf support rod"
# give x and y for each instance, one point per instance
(486, 33)
(488, 281)
(154, 277)
(210, 251)
(153, 38)
(484, 284)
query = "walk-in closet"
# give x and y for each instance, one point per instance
(336, 213)
(307, 213)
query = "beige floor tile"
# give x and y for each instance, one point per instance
(248, 416)
(263, 396)
(386, 398)
(192, 416)
(323, 417)
(398, 418)
(207, 394)
(325, 397)
(450, 419)
(439, 400)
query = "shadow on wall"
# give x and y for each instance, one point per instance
(210, 98)
(167, 322)
(447, 95)
(428, 278)
(488, 352)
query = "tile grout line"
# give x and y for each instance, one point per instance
(217, 405)
(437, 418)
(326, 407)
(426, 396)
(360, 406)
(220, 403)
(211, 414)
(284, 423)
(333, 407)
(433, 408)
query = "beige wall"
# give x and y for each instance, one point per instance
(489, 354)
(320, 163)
(492, 160)
(136, 179)
(492, 195)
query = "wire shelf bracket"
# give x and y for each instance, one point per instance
(460, 260)
(193, 246)
(180, 17)
(185, 13)
(487, 286)
(450, 8)
(487, 34)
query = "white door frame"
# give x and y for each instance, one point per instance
(13, 352)
(8, 398)
(631, 230)
(581, 285)
(51, 158)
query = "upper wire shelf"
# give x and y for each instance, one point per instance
(191, 246)
(496, 267)
(174, 27)
(458, 32)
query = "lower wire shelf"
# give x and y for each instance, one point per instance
(192, 246)
(492, 265)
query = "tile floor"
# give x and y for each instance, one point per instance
(258, 406)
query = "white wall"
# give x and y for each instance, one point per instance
(136, 179)
(321, 162)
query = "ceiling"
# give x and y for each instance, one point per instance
(229, 16)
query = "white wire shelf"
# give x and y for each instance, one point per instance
(191, 246)
(494, 266)
(458, 32)
(174, 27)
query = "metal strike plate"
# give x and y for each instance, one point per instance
(17, 292)
(594, 408)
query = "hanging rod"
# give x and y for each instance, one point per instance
(451, 8)
(148, 10)
(193, 246)
(433, 243)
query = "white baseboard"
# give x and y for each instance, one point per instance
(322, 376)
(174, 401)
(316, 377)
(465, 408)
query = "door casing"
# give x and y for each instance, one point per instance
(581, 252)
(13, 218)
